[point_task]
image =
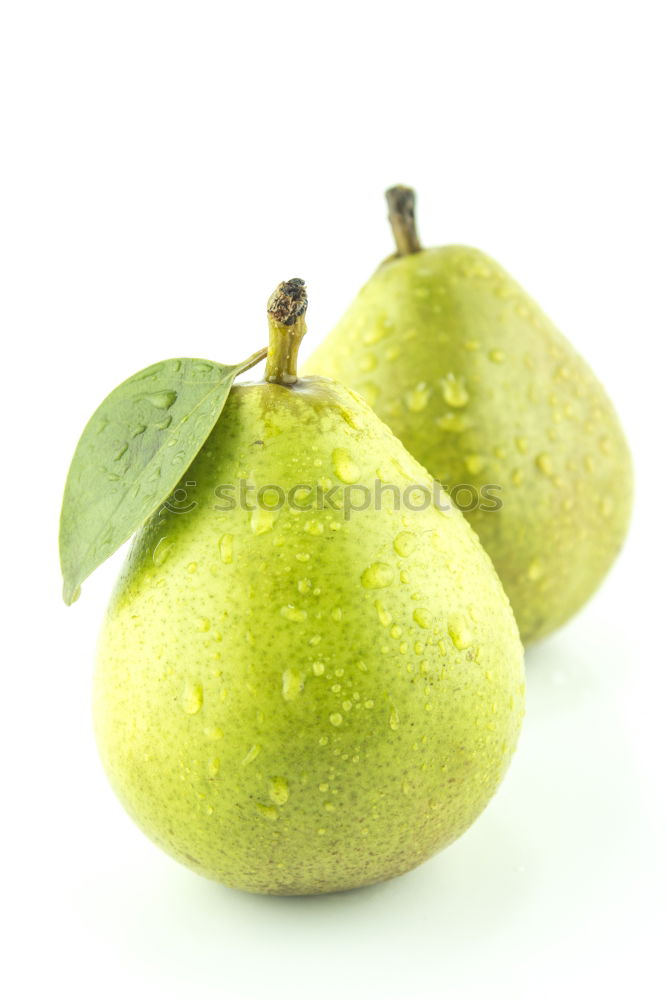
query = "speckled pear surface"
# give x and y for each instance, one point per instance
(483, 390)
(297, 701)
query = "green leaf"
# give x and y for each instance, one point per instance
(132, 454)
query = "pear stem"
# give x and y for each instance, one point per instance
(286, 329)
(401, 201)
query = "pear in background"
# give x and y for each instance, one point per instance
(486, 393)
(300, 697)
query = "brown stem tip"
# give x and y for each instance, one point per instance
(288, 302)
(401, 203)
(286, 329)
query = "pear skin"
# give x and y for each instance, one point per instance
(301, 697)
(487, 394)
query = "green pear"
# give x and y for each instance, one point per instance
(484, 391)
(297, 690)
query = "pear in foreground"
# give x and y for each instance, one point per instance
(302, 700)
(484, 391)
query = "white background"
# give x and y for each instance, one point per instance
(164, 165)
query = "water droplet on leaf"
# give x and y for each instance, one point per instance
(162, 400)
